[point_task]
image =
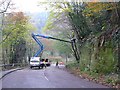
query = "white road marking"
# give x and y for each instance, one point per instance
(46, 78)
(83, 86)
(45, 75)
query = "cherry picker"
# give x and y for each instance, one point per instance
(35, 60)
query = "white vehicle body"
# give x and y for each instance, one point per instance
(35, 62)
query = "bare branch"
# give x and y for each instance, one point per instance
(1, 3)
(8, 4)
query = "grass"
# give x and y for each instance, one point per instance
(110, 80)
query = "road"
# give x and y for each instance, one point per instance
(50, 77)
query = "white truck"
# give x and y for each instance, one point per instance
(36, 62)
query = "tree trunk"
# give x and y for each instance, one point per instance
(74, 47)
(118, 59)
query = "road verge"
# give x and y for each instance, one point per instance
(4, 73)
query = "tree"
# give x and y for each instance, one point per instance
(60, 18)
(15, 34)
(96, 27)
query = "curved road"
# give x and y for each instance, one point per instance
(50, 77)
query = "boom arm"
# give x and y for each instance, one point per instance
(39, 43)
(73, 43)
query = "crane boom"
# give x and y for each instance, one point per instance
(39, 43)
(73, 44)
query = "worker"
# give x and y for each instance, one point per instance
(57, 64)
(44, 63)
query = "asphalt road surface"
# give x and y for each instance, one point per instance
(50, 77)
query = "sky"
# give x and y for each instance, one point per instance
(32, 5)
(28, 5)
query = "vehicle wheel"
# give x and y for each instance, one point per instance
(42, 66)
(31, 67)
(39, 67)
